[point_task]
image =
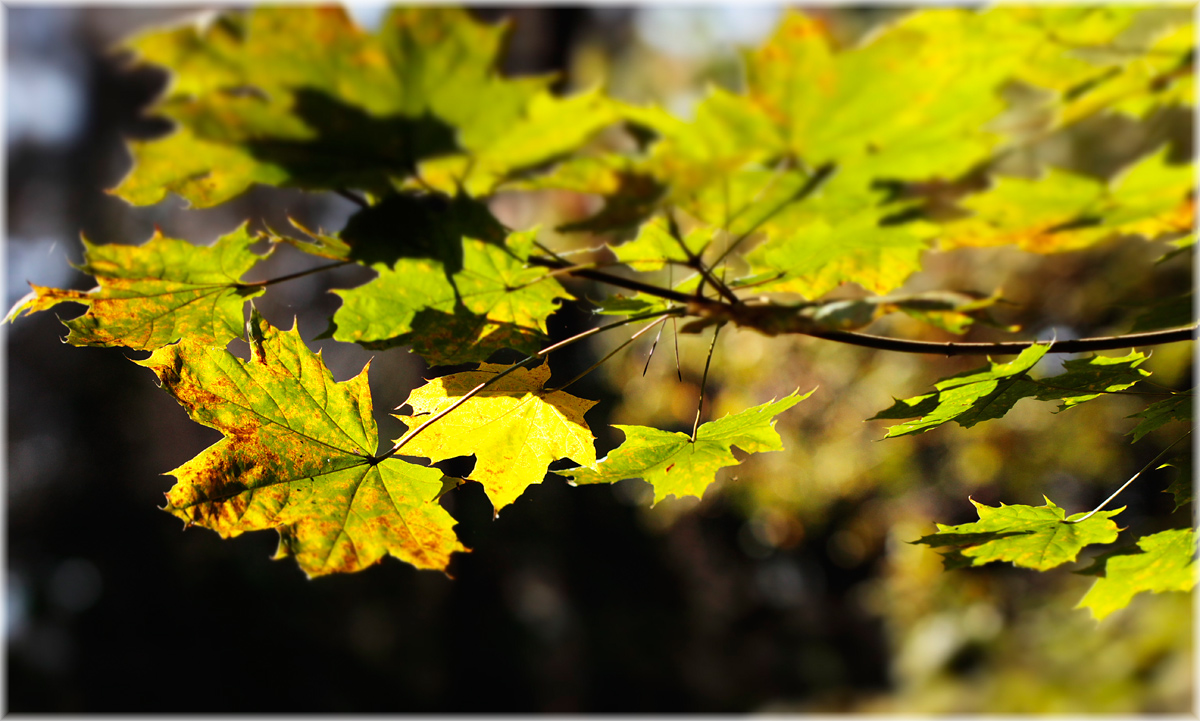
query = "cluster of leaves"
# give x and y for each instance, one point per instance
(833, 168)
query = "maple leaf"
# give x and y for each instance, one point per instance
(494, 301)
(298, 456)
(1156, 415)
(675, 465)
(1063, 211)
(1182, 488)
(1162, 562)
(514, 427)
(300, 96)
(1172, 312)
(1027, 536)
(156, 293)
(987, 393)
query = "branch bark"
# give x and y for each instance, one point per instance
(775, 320)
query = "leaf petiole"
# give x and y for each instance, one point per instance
(521, 364)
(1117, 492)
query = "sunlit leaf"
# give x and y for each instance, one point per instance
(300, 96)
(674, 465)
(493, 293)
(1166, 562)
(514, 427)
(990, 392)
(1027, 536)
(299, 457)
(655, 246)
(1063, 211)
(158, 292)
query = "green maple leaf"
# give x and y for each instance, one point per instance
(156, 293)
(1166, 562)
(1064, 211)
(300, 96)
(494, 301)
(1156, 415)
(1182, 488)
(990, 392)
(674, 465)
(299, 457)
(514, 427)
(1027, 536)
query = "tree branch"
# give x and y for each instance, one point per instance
(1078, 345)
(779, 320)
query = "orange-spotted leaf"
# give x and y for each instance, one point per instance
(299, 457)
(156, 293)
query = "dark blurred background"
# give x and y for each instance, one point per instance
(792, 589)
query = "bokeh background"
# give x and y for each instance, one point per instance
(791, 587)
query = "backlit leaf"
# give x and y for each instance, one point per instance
(1166, 562)
(1156, 415)
(158, 292)
(674, 465)
(654, 246)
(1064, 211)
(494, 293)
(300, 96)
(990, 392)
(299, 457)
(1027, 536)
(514, 427)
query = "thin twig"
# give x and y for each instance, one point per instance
(1117, 492)
(694, 262)
(816, 180)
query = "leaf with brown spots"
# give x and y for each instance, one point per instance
(1034, 537)
(299, 457)
(156, 293)
(514, 427)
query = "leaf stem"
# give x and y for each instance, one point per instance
(612, 353)
(353, 198)
(1115, 393)
(1117, 492)
(293, 276)
(815, 181)
(543, 352)
(704, 381)
(694, 262)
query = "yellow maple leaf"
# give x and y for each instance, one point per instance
(514, 427)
